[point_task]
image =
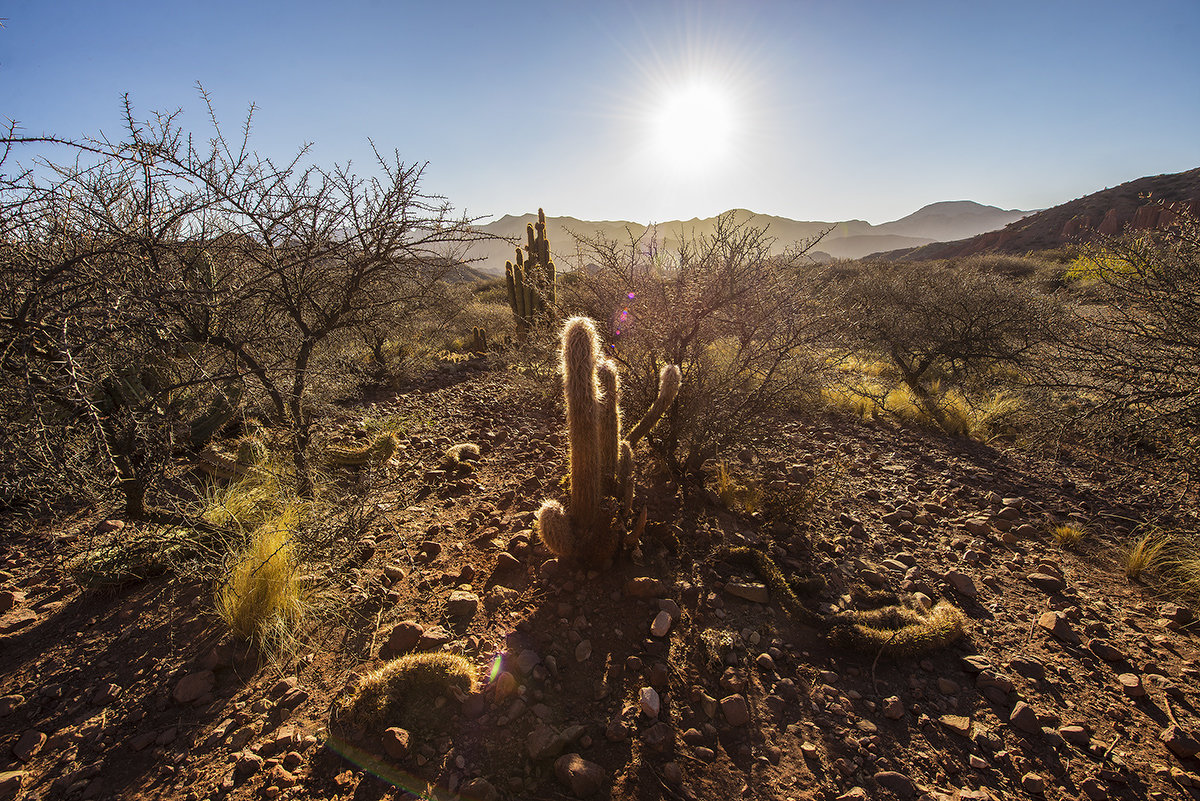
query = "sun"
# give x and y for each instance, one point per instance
(693, 126)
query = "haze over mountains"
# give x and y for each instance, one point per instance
(848, 239)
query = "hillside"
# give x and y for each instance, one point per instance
(1108, 211)
(846, 239)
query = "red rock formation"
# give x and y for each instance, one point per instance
(1111, 224)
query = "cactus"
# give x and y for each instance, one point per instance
(531, 280)
(220, 413)
(479, 343)
(609, 432)
(668, 388)
(600, 460)
(378, 451)
(251, 451)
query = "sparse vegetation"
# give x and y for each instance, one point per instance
(1146, 554)
(1067, 535)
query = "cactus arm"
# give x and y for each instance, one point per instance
(668, 388)
(610, 418)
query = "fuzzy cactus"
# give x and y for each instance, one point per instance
(380, 450)
(610, 418)
(600, 460)
(668, 388)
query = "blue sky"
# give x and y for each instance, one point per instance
(813, 110)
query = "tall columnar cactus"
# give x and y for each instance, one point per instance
(600, 458)
(531, 280)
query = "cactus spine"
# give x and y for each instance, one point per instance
(531, 279)
(382, 449)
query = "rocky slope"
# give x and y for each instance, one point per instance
(1131, 205)
(676, 674)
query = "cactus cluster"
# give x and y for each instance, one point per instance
(531, 282)
(601, 461)
(479, 343)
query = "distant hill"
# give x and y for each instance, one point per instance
(1109, 211)
(847, 239)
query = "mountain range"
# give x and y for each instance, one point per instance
(847, 239)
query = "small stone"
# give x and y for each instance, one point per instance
(958, 724)
(947, 686)
(10, 703)
(29, 745)
(106, 694)
(735, 709)
(544, 742)
(616, 731)
(1058, 627)
(643, 587)
(10, 599)
(194, 686)
(1024, 718)
(898, 783)
(977, 762)
(749, 591)
(1176, 613)
(661, 624)
(1045, 582)
(765, 663)
(1076, 735)
(1131, 685)
(462, 604)
(396, 742)
(582, 777)
(11, 782)
(893, 708)
(526, 660)
(1105, 650)
(246, 766)
(433, 638)
(1180, 742)
(1033, 783)
(1094, 789)
(659, 737)
(583, 651)
(505, 686)
(479, 788)
(853, 794)
(962, 583)
(649, 702)
(402, 638)
(673, 773)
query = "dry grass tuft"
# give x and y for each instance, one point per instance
(1067, 536)
(1146, 554)
(263, 598)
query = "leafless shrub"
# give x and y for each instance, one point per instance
(741, 323)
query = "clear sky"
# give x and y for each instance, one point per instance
(650, 111)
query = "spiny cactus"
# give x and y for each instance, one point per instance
(221, 412)
(251, 451)
(668, 388)
(531, 281)
(479, 343)
(378, 451)
(599, 459)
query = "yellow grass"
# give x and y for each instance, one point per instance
(1067, 536)
(263, 599)
(1145, 555)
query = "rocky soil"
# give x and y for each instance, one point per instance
(674, 674)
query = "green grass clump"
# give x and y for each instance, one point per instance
(403, 691)
(263, 598)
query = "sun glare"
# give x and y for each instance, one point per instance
(693, 127)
